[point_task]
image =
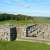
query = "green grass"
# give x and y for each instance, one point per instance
(23, 45)
(23, 22)
(15, 22)
(8, 22)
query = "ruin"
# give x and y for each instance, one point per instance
(8, 32)
(35, 31)
(31, 32)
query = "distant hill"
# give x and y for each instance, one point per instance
(19, 17)
(5, 16)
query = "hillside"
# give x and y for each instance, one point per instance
(22, 19)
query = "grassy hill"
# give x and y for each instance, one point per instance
(22, 19)
(22, 22)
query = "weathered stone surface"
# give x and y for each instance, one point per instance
(7, 33)
(35, 31)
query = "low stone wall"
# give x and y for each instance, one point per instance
(39, 32)
(8, 33)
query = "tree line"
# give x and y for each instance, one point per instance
(5, 16)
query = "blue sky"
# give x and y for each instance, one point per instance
(26, 7)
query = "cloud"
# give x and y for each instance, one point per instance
(32, 7)
(23, 4)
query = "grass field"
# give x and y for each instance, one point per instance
(22, 22)
(15, 22)
(23, 45)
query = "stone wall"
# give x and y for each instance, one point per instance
(4, 33)
(30, 31)
(35, 31)
(8, 33)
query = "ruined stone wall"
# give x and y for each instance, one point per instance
(4, 33)
(34, 31)
(21, 32)
(8, 33)
(38, 32)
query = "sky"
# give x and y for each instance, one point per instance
(26, 7)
